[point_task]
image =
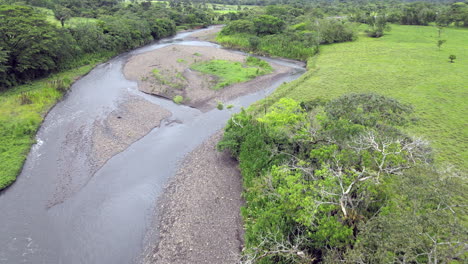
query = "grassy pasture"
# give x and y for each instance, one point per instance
(405, 64)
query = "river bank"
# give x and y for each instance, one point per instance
(199, 212)
(62, 209)
(22, 111)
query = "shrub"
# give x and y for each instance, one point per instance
(254, 42)
(59, 85)
(178, 99)
(452, 58)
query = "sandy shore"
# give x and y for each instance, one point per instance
(166, 72)
(133, 119)
(199, 212)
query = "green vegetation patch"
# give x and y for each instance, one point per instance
(178, 99)
(340, 180)
(229, 72)
(405, 64)
(159, 77)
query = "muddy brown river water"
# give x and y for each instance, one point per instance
(60, 210)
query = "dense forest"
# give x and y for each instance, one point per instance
(326, 180)
(31, 46)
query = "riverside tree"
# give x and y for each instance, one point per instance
(33, 46)
(62, 14)
(321, 178)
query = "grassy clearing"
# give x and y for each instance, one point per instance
(229, 72)
(405, 64)
(22, 110)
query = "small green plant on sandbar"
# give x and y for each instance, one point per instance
(178, 99)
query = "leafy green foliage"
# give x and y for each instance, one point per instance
(268, 35)
(420, 222)
(32, 46)
(440, 42)
(267, 25)
(377, 25)
(315, 180)
(369, 110)
(178, 99)
(452, 58)
(62, 14)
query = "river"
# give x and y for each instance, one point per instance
(102, 217)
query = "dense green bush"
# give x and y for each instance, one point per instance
(332, 31)
(321, 184)
(31, 46)
(269, 35)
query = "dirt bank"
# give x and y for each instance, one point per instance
(166, 72)
(199, 211)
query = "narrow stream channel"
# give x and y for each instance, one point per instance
(101, 219)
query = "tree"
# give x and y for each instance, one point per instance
(62, 14)
(421, 222)
(440, 42)
(239, 26)
(377, 25)
(452, 58)
(314, 178)
(32, 45)
(254, 42)
(266, 24)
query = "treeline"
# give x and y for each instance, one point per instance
(296, 31)
(340, 182)
(32, 47)
(417, 13)
(285, 31)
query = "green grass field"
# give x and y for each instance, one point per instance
(22, 110)
(405, 64)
